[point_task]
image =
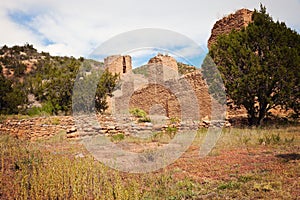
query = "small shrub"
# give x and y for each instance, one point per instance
(171, 131)
(246, 140)
(117, 137)
(289, 141)
(34, 111)
(267, 187)
(2, 118)
(230, 185)
(276, 138)
(245, 179)
(156, 136)
(144, 119)
(174, 120)
(139, 113)
(46, 109)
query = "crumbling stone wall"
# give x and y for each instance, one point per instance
(201, 91)
(164, 60)
(236, 21)
(153, 95)
(118, 64)
(157, 95)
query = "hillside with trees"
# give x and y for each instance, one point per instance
(49, 79)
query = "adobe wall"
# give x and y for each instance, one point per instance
(201, 91)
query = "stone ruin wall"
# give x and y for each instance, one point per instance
(164, 60)
(236, 21)
(201, 91)
(155, 95)
(118, 64)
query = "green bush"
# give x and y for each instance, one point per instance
(141, 114)
(229, 185)
(46, 109)
(171, 131)
(138, 112)
(34, 111)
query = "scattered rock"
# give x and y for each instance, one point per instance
(79, 155)
(71, 130)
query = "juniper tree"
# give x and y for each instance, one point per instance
(260, 66)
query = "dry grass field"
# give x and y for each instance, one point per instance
(260, 163)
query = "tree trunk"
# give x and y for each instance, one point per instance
(262, 113)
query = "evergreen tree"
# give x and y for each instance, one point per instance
(105, 87)
(260, 66)
(11, 96)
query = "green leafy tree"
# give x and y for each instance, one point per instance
(260, 66)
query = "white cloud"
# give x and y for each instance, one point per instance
(78, 27)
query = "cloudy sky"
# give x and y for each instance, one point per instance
(77, 28)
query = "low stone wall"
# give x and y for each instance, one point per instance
(37, 128)
(47, 127)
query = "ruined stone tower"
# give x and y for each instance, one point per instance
(235, 21)
(164, 60)
(118, 64)
(168, 63)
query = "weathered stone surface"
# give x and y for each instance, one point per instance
(118, 64)
(167, 96)
(40, 127)
(154, 94)
(236, 21)
(164, 60)
(71, 130)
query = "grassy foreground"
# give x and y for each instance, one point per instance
(246, 163)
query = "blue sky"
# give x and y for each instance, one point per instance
(77, 28)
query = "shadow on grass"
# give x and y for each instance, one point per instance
(289, 156)
(269, 122)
